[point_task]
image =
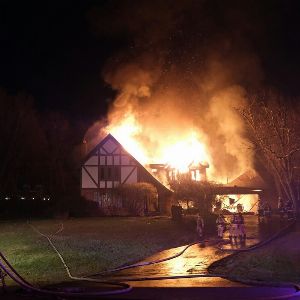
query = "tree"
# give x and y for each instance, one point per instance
(201, 193)
(22, 142)
(274, 132)
(62, 169)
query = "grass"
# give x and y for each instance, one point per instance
(88, 245)
(276, 262)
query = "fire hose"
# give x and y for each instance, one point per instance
(191, 275)
(14, 275)
(125, 287)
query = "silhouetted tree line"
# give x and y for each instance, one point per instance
(38, 149)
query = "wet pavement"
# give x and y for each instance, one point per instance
(195, 260)
(147, 281)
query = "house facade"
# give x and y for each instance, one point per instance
(107, 167)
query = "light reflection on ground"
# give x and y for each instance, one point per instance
(196, 260)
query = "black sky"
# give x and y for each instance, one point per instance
(53, 50)
(47, 50)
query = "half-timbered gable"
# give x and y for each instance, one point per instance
(109, 165)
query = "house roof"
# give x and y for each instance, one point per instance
(249, 179)
(154, 180)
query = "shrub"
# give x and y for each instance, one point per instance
(139, 198)
(197, 195)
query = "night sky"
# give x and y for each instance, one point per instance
(56, 51)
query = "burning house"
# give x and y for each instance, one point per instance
(246, 191)
(165, 172)
(109, 166)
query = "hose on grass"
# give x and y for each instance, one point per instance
(11, 272)
(125, 287)
(146, 263)
(15, 276)
(295, 286)
(141, 264)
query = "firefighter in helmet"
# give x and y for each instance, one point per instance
(233, 232)
(221, 225)
(241, 227)
(200, 226)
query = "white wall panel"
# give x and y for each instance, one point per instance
(94, 172)
(86, 181)
(109, 160)
(133, 177)
(102, 151)
(125, 171)
(118, 151)
(117, 160)
(109, 184)
(102, 184)
(125, 160)
(102, 160)
(109, 146)
(93, 160)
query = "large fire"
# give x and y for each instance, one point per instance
(179, 151)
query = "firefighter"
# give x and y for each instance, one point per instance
(289, 209)
(267, 210)
(281, 207)
(261, 210)
(233, 232)
(241, 226)
(221, 225)
(200, 226)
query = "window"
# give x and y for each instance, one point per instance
(111, 173)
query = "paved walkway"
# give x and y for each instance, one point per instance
(195, 260)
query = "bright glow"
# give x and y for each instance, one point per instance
(248, 201)
(186, 152)
(126, 131)
(180, 151)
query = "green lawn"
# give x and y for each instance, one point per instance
(88, 245)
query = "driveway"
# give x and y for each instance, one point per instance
(195, 260)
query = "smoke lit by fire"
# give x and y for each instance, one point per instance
(178, 88)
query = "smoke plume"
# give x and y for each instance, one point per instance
(186, 67)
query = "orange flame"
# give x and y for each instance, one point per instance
(178, 151)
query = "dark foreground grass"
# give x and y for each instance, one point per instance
(276, 262)
(89, 245)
